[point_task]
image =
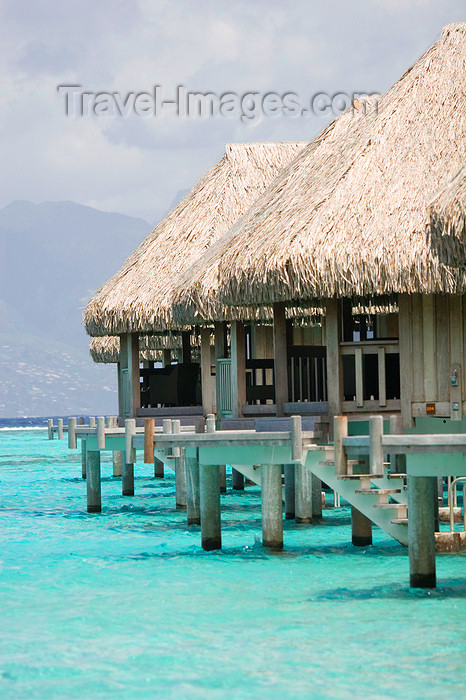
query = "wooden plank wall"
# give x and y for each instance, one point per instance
(432, 344)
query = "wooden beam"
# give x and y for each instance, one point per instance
(186, 347)
(238, 368)
(358, 366)
(334, 373)
(406, 379)
(428, 341)
(280, 356)
(206, 381)
(382, 377)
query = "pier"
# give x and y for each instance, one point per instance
(360, 469)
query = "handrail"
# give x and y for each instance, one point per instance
(451, 488)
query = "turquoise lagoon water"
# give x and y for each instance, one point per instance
(126, 604)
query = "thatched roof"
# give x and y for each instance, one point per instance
(107, 348)
(139, 297)
(348, 218)
(196, 295)
(447, 220)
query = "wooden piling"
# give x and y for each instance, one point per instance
(127, 476)
(271, 506)
(209, 488)
(361, 528)
(149, 430)
(397, 462)
(116, 459)
(340, 431)
(72, 443)
(421, 531)
(303, 494)
(180, 470)
(60, 428)
(83, 458)
(237, 480)
(101, 432)
(375, 448)
(316, 505)
(289, 492)
(94, 504)
(193, 501)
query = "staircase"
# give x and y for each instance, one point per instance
(380, 497)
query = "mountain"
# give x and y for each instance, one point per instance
(53, 257)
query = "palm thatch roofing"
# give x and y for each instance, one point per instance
(107, 348)
(196, 296)
(348, 218)
(447, 220)
(139, 297)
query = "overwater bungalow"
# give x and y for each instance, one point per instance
(138, 299)
(343, 227)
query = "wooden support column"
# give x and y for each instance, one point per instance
(221, 347)
(456, 356)
(316, 498)
(128, 458)
(397, 462)
(334, 372)
(206, 379)
(303, 494)
(209, 485)
(238, 368)
(193, 501)
(280, 356)
(186, 347)
(271, 505)
(421, 531)
(180, 470)
(361, 528)
(94, 504)
(289, 492)
(83, 458)
(167, 358)
(129, 389)
(407, 378)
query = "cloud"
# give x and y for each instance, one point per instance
(138, 164)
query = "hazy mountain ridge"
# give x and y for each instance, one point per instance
(53, 256)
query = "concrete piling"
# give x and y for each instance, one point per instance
(60, 428)
(158, 468)
(303, 494)
(50, 428)
(289, 492)
(421, 531)
(128, 459)
(94, 504)
(223, 478)
(271, 506)
(375, 448)
(91, 421)
(397, 462)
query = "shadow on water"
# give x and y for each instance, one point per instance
(445, 589)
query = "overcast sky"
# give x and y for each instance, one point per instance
(137, 165)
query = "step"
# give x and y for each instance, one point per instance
(379, 492)
(396, 476)
(328, 463)
(359, 476)
(399, 521)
